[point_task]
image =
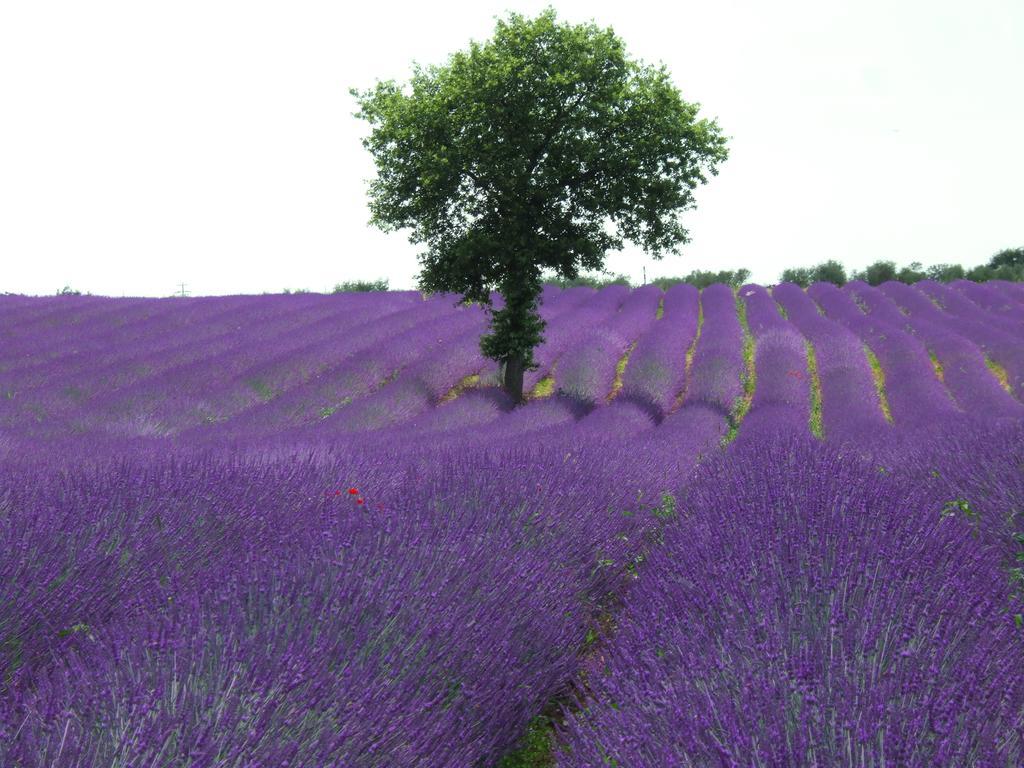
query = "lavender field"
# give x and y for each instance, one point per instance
(751, 527)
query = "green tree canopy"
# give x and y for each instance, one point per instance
(911, 273)
(830, 271)
(945, 273)
(877, 273)
(361, 286)
(802, 276)
(700, 278)
(517, 154)
(1008, 257)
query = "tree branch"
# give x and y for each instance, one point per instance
(547, 139)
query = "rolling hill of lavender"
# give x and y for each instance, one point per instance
(729, 527)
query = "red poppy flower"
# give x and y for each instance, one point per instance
(353, 491)
(359, 501)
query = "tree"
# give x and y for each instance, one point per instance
(361, 286)
(979, 274)
(513, 157)
(699, 278)
(912, 273)
(945, 273)
(1008, 257)
(830, 271)
(591, 281)
(877, 273)
(802, 276)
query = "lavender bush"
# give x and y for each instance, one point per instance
(587, 369)
(782, 400)
(311, 530)
(715, 376)
(914, 393)
(807, 610)
(850, 408)
(959, 362)
(252, 616)
(656, 371)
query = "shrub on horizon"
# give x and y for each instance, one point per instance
(911, 273)
(361, 286)
(877, 273)
(945, 273)
(702, 279)
(590, 281)
(801, 276)
(985, 272)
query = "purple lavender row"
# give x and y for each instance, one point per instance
(168, 408)
(956, 304)
(294, 358)
(717, 368)
(526, 425)
(777, 626)
(168, 349)
(241, 383)
(916, 396)
(54, 386)
(469, 414)
(850, 408)
(169, 322)
(964, 373)
(994, 302)
(556, 305)
(16, 309)
(189, 318)
(482, 415)
(419, 386)
(658, 458)
(695, 430)
(614, 421)
(567, 330)
(486, 413)
(664, 455)
(423, 384)
(326, 346)
(129, 395)
(362, 368)
(1013, 291)
(782, 397)
(586, 370)
(203, 380)
(24, 339)
(486, 421)
(962, 317)
(684, 438)
(656, 371)
(55, 315)
(196, 612)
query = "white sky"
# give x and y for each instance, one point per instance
(147, 144)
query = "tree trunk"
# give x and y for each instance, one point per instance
(514, 378)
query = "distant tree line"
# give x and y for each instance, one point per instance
(698, 278)
(349, 286)
(1008, 264)
(361, 286)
